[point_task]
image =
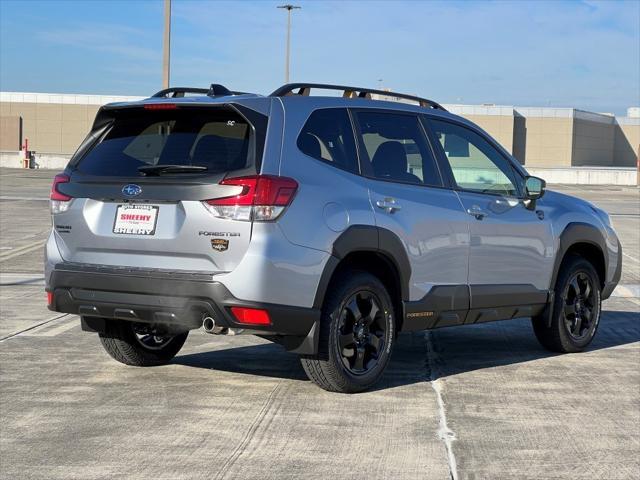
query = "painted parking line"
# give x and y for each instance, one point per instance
(30, 199)
(55, 328)
(22, 250)
(630, 290)
(24, 331)
(632, 258)
(14, 279)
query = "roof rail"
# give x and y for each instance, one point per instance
(215, 90)
(350, 92)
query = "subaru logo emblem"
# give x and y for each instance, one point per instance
(132, 190)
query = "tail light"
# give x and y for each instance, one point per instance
(251, 316)
(49, 298)
(263, 198)
(59, 201)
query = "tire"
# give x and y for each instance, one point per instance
(576, 308)
(122, 341)
(355, 340)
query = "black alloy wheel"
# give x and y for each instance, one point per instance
(569, 323)
(357, 334)
(579, 302)
(362, 332)
(139, 344)
(149, 338)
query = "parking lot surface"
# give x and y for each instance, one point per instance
(474, 402)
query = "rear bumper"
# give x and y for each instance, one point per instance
(178, 300)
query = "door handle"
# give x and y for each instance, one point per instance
(388, 204)
(477, 212)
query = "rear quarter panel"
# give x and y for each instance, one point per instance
(328, 201)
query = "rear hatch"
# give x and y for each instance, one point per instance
(138, 188)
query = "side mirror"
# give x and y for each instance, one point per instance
(533, 190)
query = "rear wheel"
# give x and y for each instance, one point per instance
(576, 309)
(139, 344)
(357, 332)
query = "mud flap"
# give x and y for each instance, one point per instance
(547, 313)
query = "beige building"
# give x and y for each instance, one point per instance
(55, 124)
(567, 137)
(498, 120)
(627, 140)
(559, 137)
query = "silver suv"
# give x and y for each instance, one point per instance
(327, 224)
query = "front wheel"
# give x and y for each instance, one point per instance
(139, 345)
(357, 331)
(576, 309)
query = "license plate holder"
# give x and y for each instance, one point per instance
(136, 219)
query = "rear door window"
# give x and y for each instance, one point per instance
(219, 139)
(396, 148)
(328, 136)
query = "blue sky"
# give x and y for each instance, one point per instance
(583, 54)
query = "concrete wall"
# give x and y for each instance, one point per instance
(54, 123)
(500, 127)
(548, 141)
(558, 137)
(10, 132)
(539, 137)
(56, 161)
(519, 138)
(496, 120)
(586, 175)
(593, 141)
(549, 136)
(627, 141)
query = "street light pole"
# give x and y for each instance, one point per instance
(166, 44)
(288, 7)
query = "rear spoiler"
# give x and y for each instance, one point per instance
(215, 90)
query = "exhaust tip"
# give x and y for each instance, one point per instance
(208, 324)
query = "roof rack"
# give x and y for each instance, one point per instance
(350, 92)
(215, 90)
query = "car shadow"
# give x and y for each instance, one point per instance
(265, 360)
(421, 356)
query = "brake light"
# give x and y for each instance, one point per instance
(251, 316)
(49, 298)
(263, 198)
(160, 106)
(59, 201)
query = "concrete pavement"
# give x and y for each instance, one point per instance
(473, 402)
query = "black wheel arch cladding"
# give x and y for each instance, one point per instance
(577, 233)
(366, 238)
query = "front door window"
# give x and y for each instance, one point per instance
(476, 165)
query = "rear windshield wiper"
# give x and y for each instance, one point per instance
(161, 169)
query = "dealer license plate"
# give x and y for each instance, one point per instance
(136, 219)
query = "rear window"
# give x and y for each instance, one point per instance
(397, 148)
(328, 136)
(219, 139)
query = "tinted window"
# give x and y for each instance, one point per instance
(328, 136)
(396, 148)
(217, 139)
(476, 165)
